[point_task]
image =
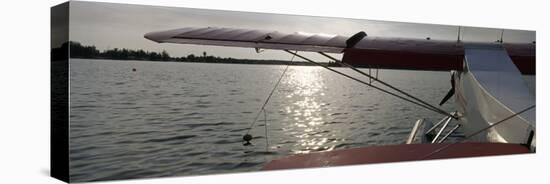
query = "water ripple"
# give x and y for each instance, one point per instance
(174, 138)
(166, 120)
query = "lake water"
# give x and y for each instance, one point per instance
(176, 119)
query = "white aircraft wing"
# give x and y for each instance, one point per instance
(363, 51)
(251, 38)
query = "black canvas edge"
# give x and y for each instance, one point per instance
(59, 92)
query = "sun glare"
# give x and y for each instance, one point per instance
(307, 87)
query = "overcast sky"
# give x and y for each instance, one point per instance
(108, 25)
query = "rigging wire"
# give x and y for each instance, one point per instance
(458, 35)
(477, 132)
(501, 36)
(388, 85)
(366, 83)
(266, 138)
(247, 136)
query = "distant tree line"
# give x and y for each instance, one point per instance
(77, 50)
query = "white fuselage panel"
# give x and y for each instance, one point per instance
(490, 89)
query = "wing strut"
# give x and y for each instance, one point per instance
(350, 43)
(429, 107)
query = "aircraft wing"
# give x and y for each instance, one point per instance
(427, 54)
(251, 38)
(375, 52)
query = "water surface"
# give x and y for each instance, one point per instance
(174, 119)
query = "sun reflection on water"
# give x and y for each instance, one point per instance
(308, 119)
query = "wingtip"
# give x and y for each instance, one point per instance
(161, 36)
(152, 36)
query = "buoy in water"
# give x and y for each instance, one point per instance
(134, 69)
(247, 138)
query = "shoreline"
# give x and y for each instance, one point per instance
(243, 61)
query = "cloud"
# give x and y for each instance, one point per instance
(109, 25)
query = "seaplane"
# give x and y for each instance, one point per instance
(495, 109)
